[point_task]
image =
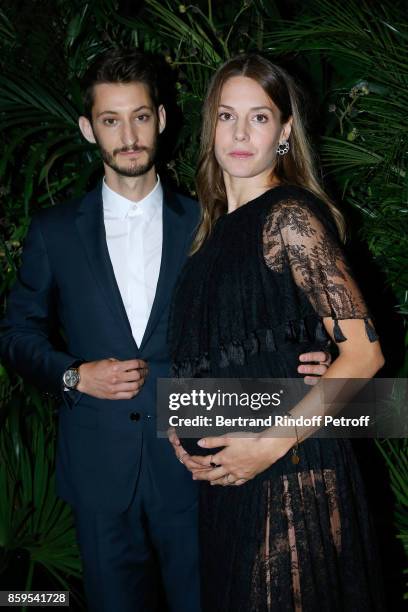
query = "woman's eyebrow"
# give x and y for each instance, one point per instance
(252, 108)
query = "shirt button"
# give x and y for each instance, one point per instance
(134, 416)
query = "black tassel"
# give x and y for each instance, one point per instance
(338, 334)
(371, 333)
(270, 340)
(183, 369)
(289, 331)
(294, 326)
(302, 331)
(223, 358)
(203, 363)
(320, 332)
(188, 370)
(236, 353)
(252, 344)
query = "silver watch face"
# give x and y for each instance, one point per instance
(71, 378)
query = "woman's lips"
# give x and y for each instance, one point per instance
(241, 154)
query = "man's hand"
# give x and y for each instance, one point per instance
(315, 369)
(112, 379)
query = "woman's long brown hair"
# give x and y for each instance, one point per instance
(295, 168)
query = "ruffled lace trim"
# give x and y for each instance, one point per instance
(237, 351)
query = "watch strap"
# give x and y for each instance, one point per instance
(74, 366)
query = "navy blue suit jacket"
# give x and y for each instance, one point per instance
(67, 280)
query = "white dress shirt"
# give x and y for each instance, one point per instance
(134, 234)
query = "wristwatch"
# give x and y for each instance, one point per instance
(71, 377)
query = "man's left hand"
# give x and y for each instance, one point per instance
(314, 370)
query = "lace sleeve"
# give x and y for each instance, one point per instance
(295, 233)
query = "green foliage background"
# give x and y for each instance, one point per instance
(351, 56)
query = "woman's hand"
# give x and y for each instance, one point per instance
(246, 455)
(181, 454)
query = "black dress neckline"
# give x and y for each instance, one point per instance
(255, 201)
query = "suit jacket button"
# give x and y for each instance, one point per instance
(134, 416)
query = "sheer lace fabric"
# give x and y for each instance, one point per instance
(294, 236)
(292, 544)
(267, 562)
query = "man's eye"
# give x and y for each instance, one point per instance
(225, 116)
(261, 118)
(143, 118)
(110, 122)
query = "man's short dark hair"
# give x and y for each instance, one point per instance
(121, 65)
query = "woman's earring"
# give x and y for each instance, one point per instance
(283, 148)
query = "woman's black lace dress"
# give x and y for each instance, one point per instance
(248, 303)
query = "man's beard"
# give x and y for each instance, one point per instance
(133, 168)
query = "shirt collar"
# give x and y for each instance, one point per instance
(116, 206)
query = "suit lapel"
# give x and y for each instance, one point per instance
(91, 228)
(175, 235)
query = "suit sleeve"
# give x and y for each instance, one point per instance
(30, 319)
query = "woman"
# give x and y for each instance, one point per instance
(267, 280)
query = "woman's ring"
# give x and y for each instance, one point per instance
(213, 464)
(181, 457)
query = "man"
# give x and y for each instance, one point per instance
(104, 267)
